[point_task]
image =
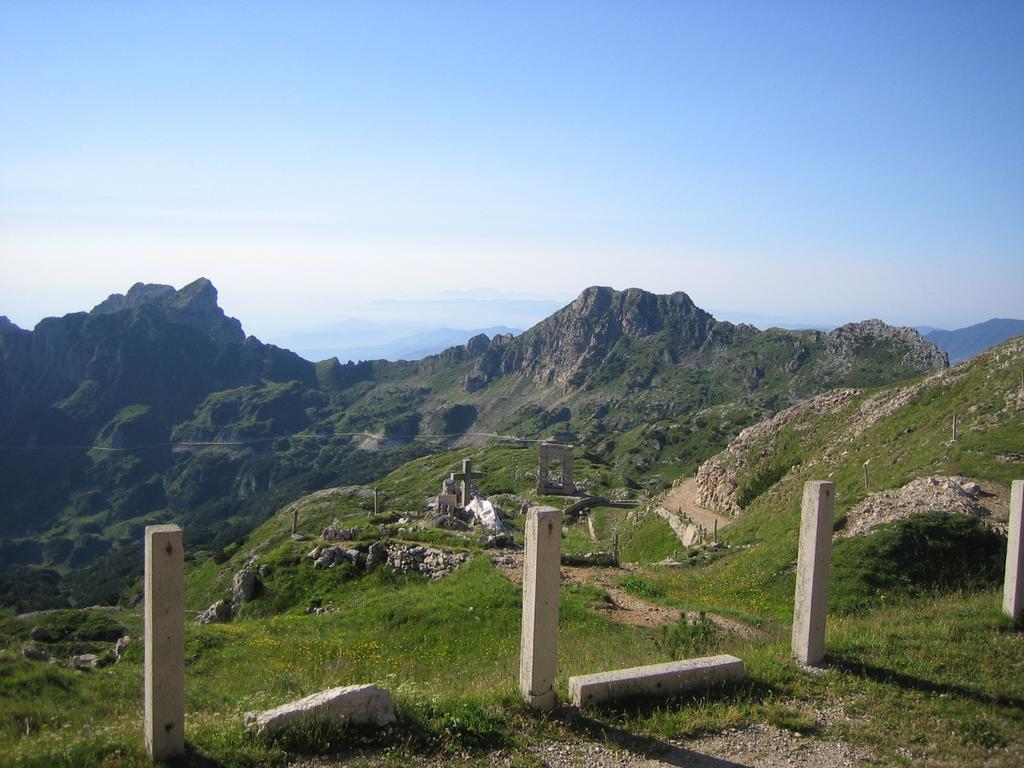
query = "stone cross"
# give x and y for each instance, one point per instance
(164, 665)
(814, 565)
(538, 650)
(1013, 584)
(465, 478)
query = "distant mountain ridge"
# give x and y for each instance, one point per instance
(965, 343)
(156, 407)
(408, 346)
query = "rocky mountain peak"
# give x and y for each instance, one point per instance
(918, 352)
(195, 305)
(138, 294)
(570, 345)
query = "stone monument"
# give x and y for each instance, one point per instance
(552, 453)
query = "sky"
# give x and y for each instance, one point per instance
(803, 162)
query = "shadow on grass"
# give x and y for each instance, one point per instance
(193, 758)
(903, 680)
(649, 747)
(596, 725)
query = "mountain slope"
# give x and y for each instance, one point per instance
(902, 433)
(967, 342)
(156, 407)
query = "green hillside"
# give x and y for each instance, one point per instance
(155, 407)
(921, 668)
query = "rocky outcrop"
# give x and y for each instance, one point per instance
(917, 352)
(334, 532)
(195, 305)
(569, 346)
(328, 557)
(220, 612)
(938, 493)
(244, 586)
(401, 558)
(424, 561)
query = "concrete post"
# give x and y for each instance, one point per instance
(538, 653)
(954, 426)
(164, 664)
(1013, 585)
(376, 504)
(814, 565)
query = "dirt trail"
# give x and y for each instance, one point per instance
(621, 606)
(682, 500)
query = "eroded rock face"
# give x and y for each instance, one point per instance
(718, 477)
(355, 704)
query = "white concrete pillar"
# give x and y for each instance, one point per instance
(538, 653)
(813, 568)
(1013, 585)
(164, 723)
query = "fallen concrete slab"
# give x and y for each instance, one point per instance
(355, 704)
(656, 679)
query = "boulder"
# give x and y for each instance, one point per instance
(499, 541)
(41, 634)
(35, 653)
(244, 586)
(486, 514)
(449, 523)
(120, 647)
(85, 661)
(376, 555)
(355, 704)
(220, 612)
(971, 488)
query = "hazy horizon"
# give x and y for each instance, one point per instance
(803, 163)
(396, 318)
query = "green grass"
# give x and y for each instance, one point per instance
(648, 541)
(939, 677)
(918, 655)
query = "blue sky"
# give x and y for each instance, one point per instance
(818, 162)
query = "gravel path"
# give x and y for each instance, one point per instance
(755, 746)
